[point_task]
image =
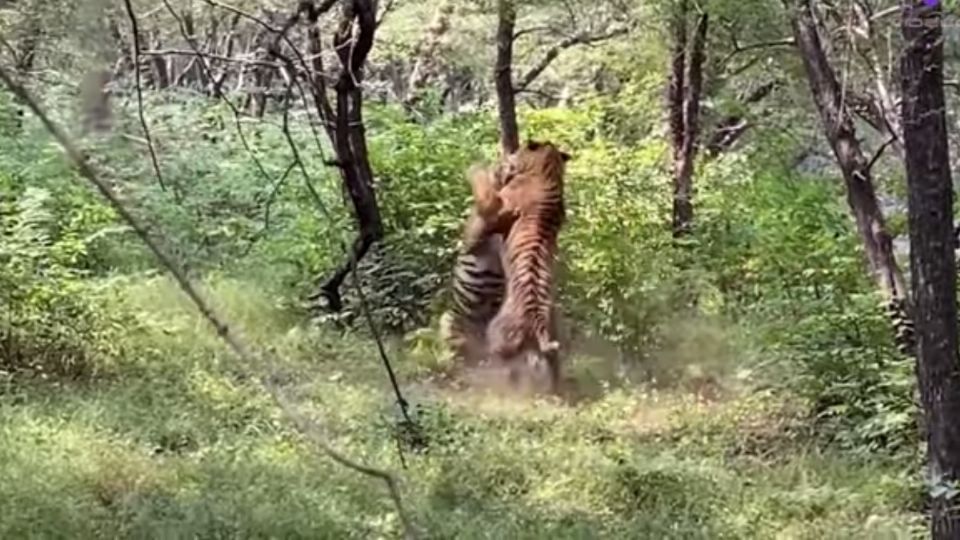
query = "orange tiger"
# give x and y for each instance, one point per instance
(530, 212)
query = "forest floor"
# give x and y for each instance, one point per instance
(176, 440)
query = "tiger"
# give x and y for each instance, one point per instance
(478, 283)
(529, 211)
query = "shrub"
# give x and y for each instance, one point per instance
(52, 323)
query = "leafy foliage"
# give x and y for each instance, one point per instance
(52, 324)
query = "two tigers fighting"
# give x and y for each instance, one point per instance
(504, 277)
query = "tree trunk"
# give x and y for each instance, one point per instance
(503, 77)
(686, 154)
(348, 134)
(861, 197)
(677, 76)
(932, 264)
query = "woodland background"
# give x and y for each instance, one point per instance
(737, 374)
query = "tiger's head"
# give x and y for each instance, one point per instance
(543, 158)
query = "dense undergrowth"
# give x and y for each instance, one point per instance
(177, 441)
(123, 416)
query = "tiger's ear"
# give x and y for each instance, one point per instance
(565, 157)
(534, 145)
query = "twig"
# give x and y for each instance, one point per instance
(386, 10)
(303, 6)
(208, 56)
(532, 30)
(134, 27)
(6, 45)
(879, 152)
(738, 49)
(273, 194)
(553, 52)
(244, 14)
(238, 347)
(266, 209)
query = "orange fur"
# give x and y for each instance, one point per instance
(529, 211)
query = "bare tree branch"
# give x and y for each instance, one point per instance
(732, 127)
(879, 152)
(387, 8)
(134, 28)
(740, 49)
(552, 53)
(533, 30)
(209, 56)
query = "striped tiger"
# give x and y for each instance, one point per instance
(530, 212)
(478, 283)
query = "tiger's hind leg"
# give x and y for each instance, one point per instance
(553, 370)
(506, 334)
(550, 350)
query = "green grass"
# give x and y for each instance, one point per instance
(177, 441)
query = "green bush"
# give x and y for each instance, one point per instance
(52, 324)
(782, 251)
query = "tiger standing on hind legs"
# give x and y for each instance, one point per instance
(529, 211)
(478, 284)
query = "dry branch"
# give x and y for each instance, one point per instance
(209, 56)
(552, 53)
(135, 29)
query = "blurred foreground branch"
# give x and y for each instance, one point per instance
(305, 425)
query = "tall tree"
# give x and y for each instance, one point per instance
(837, 124)
(683, 103)
(352, 42)
(503, 76)
(932, 264)
(605, 22)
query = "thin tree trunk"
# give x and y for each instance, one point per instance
(677, 77)
(932, 262)
(348, 133)
(686, 157)
(861, 196)
(503, 77)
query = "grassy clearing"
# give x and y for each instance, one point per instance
(178, 442)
